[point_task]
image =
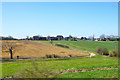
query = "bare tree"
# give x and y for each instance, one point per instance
(102, 36)
(91, 38)
(10, 47)
(70, 38)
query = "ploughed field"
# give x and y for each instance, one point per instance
(31, 49)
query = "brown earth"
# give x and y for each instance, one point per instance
(30, 49)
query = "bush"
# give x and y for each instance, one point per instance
(55, 56)
(114, 53)
(49, 56)
(62, 45)
(52, 56)
(102, 51)
(70, 55)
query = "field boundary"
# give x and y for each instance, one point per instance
(87, 70)
(42, 59)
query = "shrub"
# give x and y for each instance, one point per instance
(62, 45)
(52, 56)
(102, 51)
(70, 55)
(55, 56)
(114, 52)
(49, 56)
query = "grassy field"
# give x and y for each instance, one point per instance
(77, 63)
(98, 61)
(112, 73)
(89, 45)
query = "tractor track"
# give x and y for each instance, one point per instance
(87, 70)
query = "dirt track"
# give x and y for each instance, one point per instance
(38, 49)
(86, 70)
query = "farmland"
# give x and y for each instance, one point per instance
(11, 68)
(33, 49)
(89, 45)
(112, 73)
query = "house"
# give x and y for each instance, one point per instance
(42, 38)
(78, 39)
(102, 39)
(36, 37)
(53, 38)
(107, 39)
(60, 37)
(66, 38)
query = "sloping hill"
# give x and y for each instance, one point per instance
(29, 49)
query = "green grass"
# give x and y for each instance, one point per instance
(89, 45)
(77, 63)
(98, 61)
(111, 73)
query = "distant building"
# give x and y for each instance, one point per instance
(107, 39)
(36, 37)
(102, 39)
(53, 38)
(60, 37)
(42, 38)
(66, 38)
(77, 39)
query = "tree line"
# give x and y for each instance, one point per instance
(102, 37)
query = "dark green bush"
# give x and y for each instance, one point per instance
(102, 51)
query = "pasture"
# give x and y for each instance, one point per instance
(12, 68)
(111, 73)
(89, 45)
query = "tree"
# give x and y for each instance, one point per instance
(48, 37)
(10, 37)
(113, 38)
(27, 38)
(70, 38)
(10, 47)
(30, 38)
(51, 41)
(102, 37)
(90, 38)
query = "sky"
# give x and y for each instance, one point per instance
(21, 19)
